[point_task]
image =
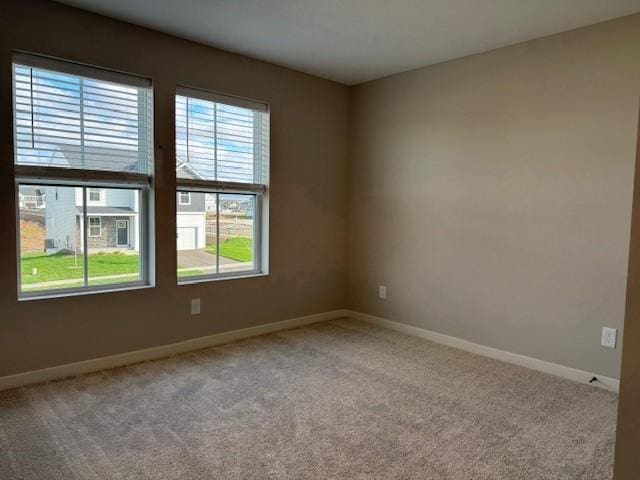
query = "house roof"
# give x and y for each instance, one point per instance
(30, 190)
(111, 159)
(184, 165)
(111, 211)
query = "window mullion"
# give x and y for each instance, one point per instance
(215, 141)
(187, 129)
(217, 233)
(257, 227)
(219, 186)
(141, 234)
(85, 234)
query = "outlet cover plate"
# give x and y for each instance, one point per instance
(382, 292)
(609, 337)
(195, 306)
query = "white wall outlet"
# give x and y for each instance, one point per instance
(195, 306)
(382, 292)
(609, 337)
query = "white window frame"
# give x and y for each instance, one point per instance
(101, 196)
(54, 176)
(259, 191)
(181, 202)
(90, 227)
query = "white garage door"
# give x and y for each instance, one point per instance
(187, 238)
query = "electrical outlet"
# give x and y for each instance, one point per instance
(382, 292)
(609, 337)
(195, 306)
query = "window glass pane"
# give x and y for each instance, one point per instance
(71, 121)
(236, 227)
(200, 236)
(196, 235)
(51, 238)
(95, 195)
(114, 237)
(215, 141)
(184, 198)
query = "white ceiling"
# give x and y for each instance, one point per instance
(353, 41)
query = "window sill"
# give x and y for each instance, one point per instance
(54, 295)
(239, 276)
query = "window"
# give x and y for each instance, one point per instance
(184, 198)
(83, 140)
(222, 166)
(95, 227)
(95, 195)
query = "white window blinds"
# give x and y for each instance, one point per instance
(81, 121)
(221, 138)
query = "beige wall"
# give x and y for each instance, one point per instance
(492, 194)
(308, 196)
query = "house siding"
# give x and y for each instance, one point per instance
(108, 237)
(60, 218)
(196, 205)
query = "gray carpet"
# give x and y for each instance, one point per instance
(339, 400)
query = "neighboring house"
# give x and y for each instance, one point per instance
(191, 213)
(112, 219)
(191, 221)
(112, 214)
(31, 198)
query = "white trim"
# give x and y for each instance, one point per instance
(78, 69)
(118, 214)
(94, 217)
(221, 98)
(97, 364)
(101, 196)
(180, 202)
(580, 376)
(229, 276)
(77, 292)
(218, 186)
(66, 177)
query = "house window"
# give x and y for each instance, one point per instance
(222, 164)
(184, 198)
(95, 227)
(95, 195)
(83, 138)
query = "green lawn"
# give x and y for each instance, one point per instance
(188, 273)
(38, 267)
(236, 248)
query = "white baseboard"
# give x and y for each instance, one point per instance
(581, 376)
(97, 364)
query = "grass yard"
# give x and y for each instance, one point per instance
(236, 248)
(188, 273)
(37, 267)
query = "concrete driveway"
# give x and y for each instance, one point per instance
(197, 259)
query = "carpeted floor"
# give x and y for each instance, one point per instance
(338, 400)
